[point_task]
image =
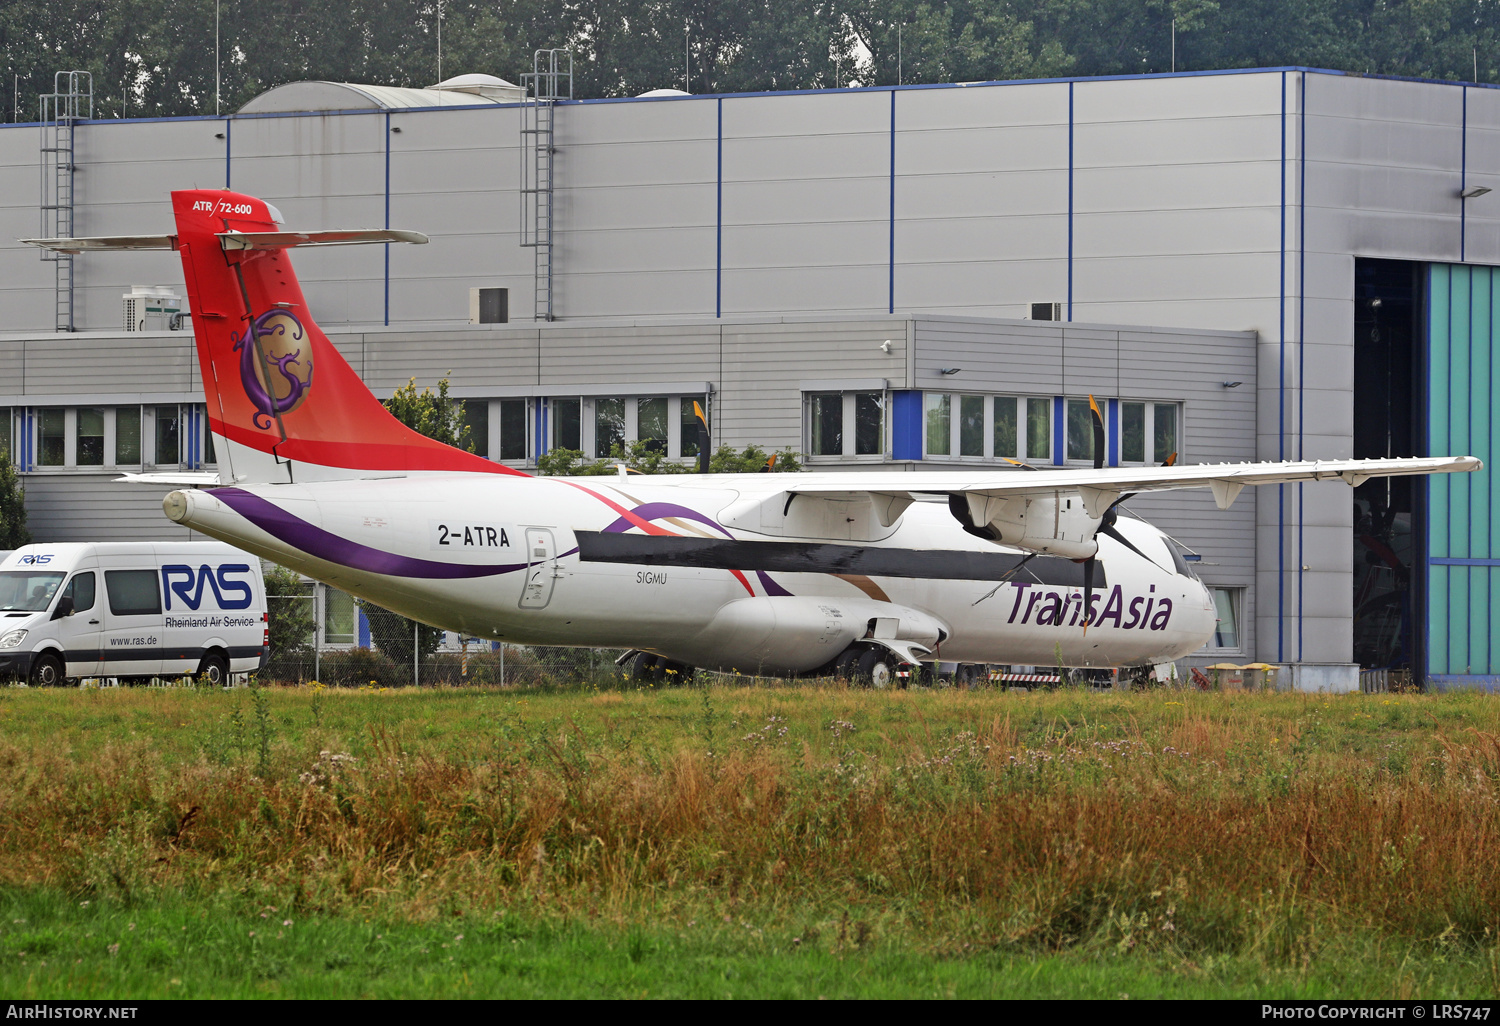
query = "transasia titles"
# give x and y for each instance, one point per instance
(1052, 609)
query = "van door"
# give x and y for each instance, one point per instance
(541, 564)
(132, 624)
(79, 633)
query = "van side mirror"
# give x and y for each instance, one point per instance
(64, 607)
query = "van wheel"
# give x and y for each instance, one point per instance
(213, 671)
(46, 671)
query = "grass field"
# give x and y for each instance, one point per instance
(769, 841)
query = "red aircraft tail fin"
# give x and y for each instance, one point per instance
(282, 401)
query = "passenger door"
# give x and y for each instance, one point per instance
(541, 565)
(132, 640)
(79, 633)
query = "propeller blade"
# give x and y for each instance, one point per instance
(1170, 461)
(770, 464)
(1098, 434)
(703, 453)
(1023, 466)
(1005, 577)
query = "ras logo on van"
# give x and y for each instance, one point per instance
(187, 584)
(280, 382)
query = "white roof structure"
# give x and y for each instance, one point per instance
(463, 90)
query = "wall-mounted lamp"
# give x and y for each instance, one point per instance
(949, 370)
(885, 347)
(397, 128)
(1233, 384)
(1474, 191)
(218, 135)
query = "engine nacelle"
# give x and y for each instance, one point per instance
(791, 634)
(1055, 525)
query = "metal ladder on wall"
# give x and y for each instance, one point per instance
(70, 102)
(550, 81)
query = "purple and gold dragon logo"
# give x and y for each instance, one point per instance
(278, 332)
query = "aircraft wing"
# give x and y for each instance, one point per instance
(1101, 488)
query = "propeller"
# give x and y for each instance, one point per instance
(770, 464)
(703, 453)
(1088, 564)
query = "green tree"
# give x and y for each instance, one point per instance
(13, 532)
(289, 612)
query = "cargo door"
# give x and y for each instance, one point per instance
(541, 568)
(132, 637)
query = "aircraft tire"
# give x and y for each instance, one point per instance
(845, 667)
(877, 669)
(646, 668)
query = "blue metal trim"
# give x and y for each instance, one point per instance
(1070, 200)
(1059, 411)
(906, 424)
(719, 224)
(228, 149)
(1464, 682)
(1462, 561)
(1281, 408)
(1463, 174)
(1301, 337)
(387, 246)
(1112, 435)
(363, 628)
(891, 268)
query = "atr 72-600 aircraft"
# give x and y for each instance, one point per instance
(779, 574)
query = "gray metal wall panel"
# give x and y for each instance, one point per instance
(806, 203)
(1020, 358)
(147, 363)
(92, 508)
(687, 353)
(501, 357)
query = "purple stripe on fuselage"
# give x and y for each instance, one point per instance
(660, 510)
(325, 545)
(772, 588)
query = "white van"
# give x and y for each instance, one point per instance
(131, 609)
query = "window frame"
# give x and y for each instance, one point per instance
(588, 406)
(989, 453)
(1236, 594)
(1148, 428)
(849, 425)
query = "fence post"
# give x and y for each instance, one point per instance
(416, 654)
(318, 608)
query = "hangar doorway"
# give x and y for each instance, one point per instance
(1389, 513)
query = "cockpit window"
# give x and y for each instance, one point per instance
(1179, 564)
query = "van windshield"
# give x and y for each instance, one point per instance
(27, 589)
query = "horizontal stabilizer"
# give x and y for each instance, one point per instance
(103, 243)
(201, 479)
(286, 240)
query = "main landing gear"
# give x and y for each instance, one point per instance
(646, 668)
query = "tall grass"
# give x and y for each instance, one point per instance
(1167, 824)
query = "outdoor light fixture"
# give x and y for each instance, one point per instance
(1474, 191)
(885, 347)
(949, 370)
(1233, 384)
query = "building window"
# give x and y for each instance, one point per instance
(1148, 431)
(513, 430)
(1227, 605)
(338, 617)
(476, 415)
(651, 424)
(168, 436)
(688, 422)
(90, 437)
(846, 423)
(567, 424)
(127, 436)
(1080, 430)
(52, 438)
(609, 426)
(489, 306)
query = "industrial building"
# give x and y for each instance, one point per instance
(1272, 264)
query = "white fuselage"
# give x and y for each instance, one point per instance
(497, 557)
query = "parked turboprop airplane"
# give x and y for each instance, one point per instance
(765, 573)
